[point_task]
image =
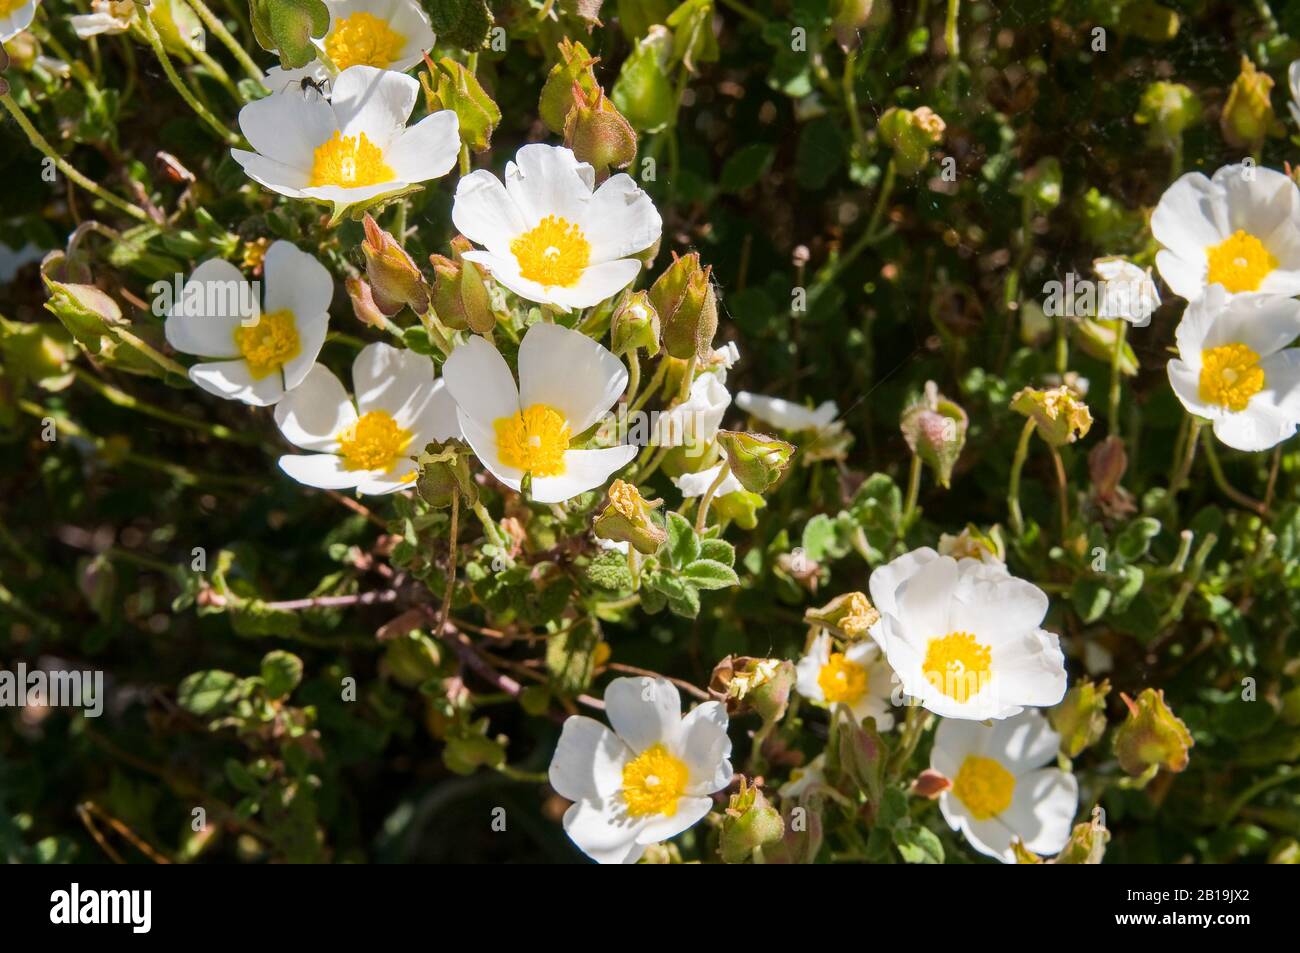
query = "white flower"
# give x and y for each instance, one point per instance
(859, 679)
(1234, 367)
(567, 382)
(784, 415)
(647, 780)
(1126, 291)
(549, 237)
(695, 421)
(385, 34)
(697, 484)
(1240, 229)
(351, 148)
(258, 357)
(15, 16)
(107, 18)
(368, 445)
(964, 636)
(1293, 80)
(801, 779)
(1000, 789)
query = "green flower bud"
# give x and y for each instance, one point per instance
(1148, 21)
(1247, 117)
(693, 38)
(847, 18)
(750, 824)
(851, 615)
(1060, 416)
(684, 299)
(86, 311)
(573, 70)
(598, 134)
(449, 85)
(1152, 737)
(460, 297)
(757, 460)
(444, 470)
(395, 281)
(935, 430)
(635, 324)
(626, 519)
(1080, 718)
(910, 134)
(642, 91)
(363, 302)
(1169, 109)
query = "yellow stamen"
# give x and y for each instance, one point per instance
(841, 680)
(374, 442)
(534, 440)
(363, 40)
(653, 782)
(1230, 376)
(1240, 262)
(554, 253)
(9, 6)
(350, 162)
(269, 344)
(984, 786)
(957, 665)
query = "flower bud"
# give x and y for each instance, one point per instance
(643, 92)
(86, 311)
(847, 18)
(1097, 339)
(635, 324)
(1247, 117)
(749, 824)
(1060, 417)
(1080, 718)
(1106, 465)
(761, 685)
(449, 85)
(460, 298)
(443, 471)
(395, 282)
(929, 784)
(935, 430)
(910, 134)
(851, 615)
(757, 460)
(1152, 737)
(363, 302)
(684, 299)
(626, 519)
(573, 70)
(598, 134)
(1169, 109)
(1087, 843)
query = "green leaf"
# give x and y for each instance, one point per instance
(210, 692)
(710, 574)
(288, 27)
(281, 673)
(746, 166)
(609, 571)
(918, 845)
(1091, 598)
(1135, 539)
(462, 23)
(683, 544)
(719, 550)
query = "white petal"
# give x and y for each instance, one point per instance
(697, 484)
(954, 740)
(620, 220)
(276, 176)
(644, 711)
(435, 419)
(705, 747)
(312, 414)
(1042, 809)
(568, 371)
(690, 811)
(311, 338)
(374, 101)
(1023, 743)
(296, 281)
(598, 283)
(885, 580)
(588, 760)
(1258, 427)
(926, 598)
(204, 320)
(234, 381)
(548, 180)
(389, 378)
(785, 415)
(583, 470)
(341, 196)
(1190, 217)
(1185, 276)
(1187, 387)
(484, 212)
(322, 470)
(426, 150)
(287, 127)
(604, 832)
(381, 482)
(483, 442)
(481, 382)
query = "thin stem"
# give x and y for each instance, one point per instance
(334, 602)
(63, 166)
(656, 380)
(122, 399)
(1062, 492)
(1116, 356)
(913, 490)
(1185, 467)
(633, 374)
(1013, 487)
(155, 42)
(213, 23)
(882, 199)
(700, 518)
(451, 562)
(1231, 492)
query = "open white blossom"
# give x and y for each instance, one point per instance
(858, 678)
(385, 34)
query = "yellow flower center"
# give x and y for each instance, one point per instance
(9, 6)
(534, 440)
(554, 253)
(268, 344)
(350, 162)
(1230, 376)
(374, 442)
(841, 680)
(1240, 262)
(363, 40)
(957, 665)
(653, 782)
(984, 786)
